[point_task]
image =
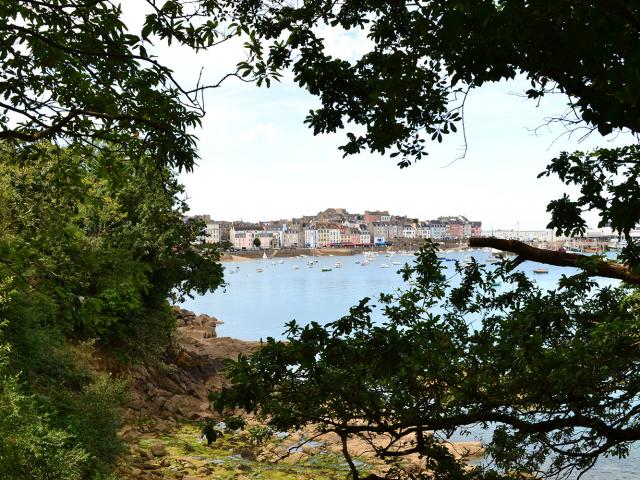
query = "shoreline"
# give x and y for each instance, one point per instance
(320, 252)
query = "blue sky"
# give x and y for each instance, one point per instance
(259, 161)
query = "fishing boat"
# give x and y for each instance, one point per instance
(540, 270)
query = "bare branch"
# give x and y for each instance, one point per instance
(525, 252)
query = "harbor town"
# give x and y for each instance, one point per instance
(336, 228)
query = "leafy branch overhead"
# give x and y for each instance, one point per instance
(410, 85)
(72, 72)
(547, 370)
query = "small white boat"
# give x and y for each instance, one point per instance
(296, 267)
(540, 270)
(280, 262)
(258, 270)
(384, 265)
(264, 255)
(364, 264)
(338, 265)
(396, 263)
(273, 263)
(357, 261)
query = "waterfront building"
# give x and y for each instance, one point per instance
(438, 229)
(364, 238)
(409, 231)
(328, 234)
(243, 236)
(423, 230)
(378, 230)
(347, 235)
(379, 240)
(393, 231)
(212, 232)
(310, 237)
(476, 229)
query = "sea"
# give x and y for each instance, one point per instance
(262, 295)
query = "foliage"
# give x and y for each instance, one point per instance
(234, 423)
(101, 239)
(553, 372)
(209, 431)
(72, 70)
(58, 421)
(410, 84)
(609, 184)
(92, 245)
(256, 242)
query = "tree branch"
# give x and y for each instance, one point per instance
(551, 257)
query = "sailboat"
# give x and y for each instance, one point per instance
(264, 255)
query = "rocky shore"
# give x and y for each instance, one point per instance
(169, 401)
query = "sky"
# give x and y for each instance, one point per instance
(258, 161)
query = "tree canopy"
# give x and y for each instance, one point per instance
(532, 365)
(94, 125)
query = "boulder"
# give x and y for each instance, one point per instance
(158, 450)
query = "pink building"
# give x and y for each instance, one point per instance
(476, 229)
(455, 230)
(244, 238)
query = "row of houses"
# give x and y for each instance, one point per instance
(334, 227)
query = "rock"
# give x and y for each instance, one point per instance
(144, 454)
(158, 450)
(129, 434)
(162, 427)
(135, 472)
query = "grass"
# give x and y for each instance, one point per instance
(234, 456)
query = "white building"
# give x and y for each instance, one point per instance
(310, 237)
(212, 232)
(438, 230)
(409, 231)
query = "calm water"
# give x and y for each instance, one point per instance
(257, 305)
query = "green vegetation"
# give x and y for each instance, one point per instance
(92, 241)
(236, 454)
(93, 244)
(556, 373)
(520, 358)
